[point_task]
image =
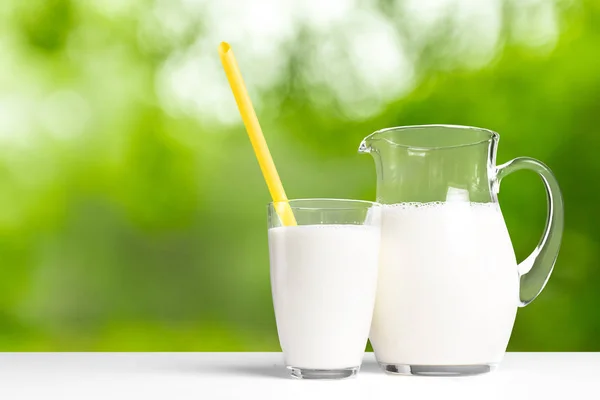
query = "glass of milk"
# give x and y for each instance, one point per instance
(324, 279)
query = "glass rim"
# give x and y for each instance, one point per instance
(491, 135)
(297, 204)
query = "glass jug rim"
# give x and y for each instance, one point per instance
(490, 135)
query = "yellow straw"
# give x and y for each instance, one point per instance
(255, 133)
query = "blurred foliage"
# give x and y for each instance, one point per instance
(133, 217)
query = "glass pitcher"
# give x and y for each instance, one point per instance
(449, 284)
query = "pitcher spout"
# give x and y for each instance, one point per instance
(366, 144)
(364, 148)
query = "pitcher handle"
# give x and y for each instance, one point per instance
(535, 270)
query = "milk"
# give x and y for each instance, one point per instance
(448, 285)
(324, 279)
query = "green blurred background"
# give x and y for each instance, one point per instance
(133, 212)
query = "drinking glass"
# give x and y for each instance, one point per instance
(323, 280)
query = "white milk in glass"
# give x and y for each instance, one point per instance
(448, 286)
(324, 279)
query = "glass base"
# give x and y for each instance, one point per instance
(306, 373)
(437, 370)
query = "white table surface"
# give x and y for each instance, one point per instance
(202, 376)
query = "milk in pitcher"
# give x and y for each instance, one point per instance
(449, 288)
